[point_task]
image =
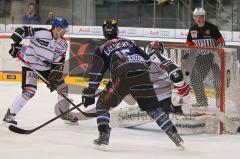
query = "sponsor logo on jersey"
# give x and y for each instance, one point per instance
(42, 42)
(135, 58)
(194, 33)
(32, 75)
(207, 32)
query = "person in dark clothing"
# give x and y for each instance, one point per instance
(204, 34)
(128, 65)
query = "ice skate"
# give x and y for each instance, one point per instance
(176, 139)
(70, 119)
(9, 119)
(101, 143)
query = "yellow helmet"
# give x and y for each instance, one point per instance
(110, 29)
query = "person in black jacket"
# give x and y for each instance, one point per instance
(204, 34)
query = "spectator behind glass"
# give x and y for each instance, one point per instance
(31, 17)
(50, 18)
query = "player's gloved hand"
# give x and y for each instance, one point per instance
(15, 50)
(62, 88)
(55, 79)
(180, 93)
(88, 96)
(155, 47)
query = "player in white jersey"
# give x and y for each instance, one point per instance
(46, 54)
(160, 70)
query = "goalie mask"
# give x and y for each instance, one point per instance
(155, 47)
(110, 29)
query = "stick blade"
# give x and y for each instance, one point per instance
(18, 130)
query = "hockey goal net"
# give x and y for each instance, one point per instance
(213, 75)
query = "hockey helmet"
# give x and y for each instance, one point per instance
(199, 12)
(110, 29)
(155, 47)
(59, 22)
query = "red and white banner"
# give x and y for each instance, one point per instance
(131, 31)
(181, 33)
(227, 35)
(87, 30)
(235, 36)
(159, 33)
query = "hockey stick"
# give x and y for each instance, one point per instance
(18, 130)
(63, 95)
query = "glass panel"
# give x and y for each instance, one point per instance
(130, 13)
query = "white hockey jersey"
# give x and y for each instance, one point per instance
(43, 49)
(160, 78)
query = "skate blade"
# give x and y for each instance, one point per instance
(101, 147)
(6, 124)
(181, 146)
(70, 123)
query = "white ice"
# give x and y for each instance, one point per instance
(60, 141)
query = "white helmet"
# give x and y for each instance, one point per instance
(199, 11)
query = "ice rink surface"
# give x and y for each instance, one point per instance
(60, 141)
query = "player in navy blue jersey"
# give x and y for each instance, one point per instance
(129, 68)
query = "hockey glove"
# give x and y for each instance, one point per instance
(55, 79)
(180, 93)
(62, 88)
(15, 50)
(88, 96)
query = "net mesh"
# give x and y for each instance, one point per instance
(213, 75)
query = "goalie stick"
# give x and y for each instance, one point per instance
(18, 130)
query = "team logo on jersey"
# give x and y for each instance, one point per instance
(31, 78)
(207, 32)
(194, 33)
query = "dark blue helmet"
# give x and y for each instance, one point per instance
(59, 22)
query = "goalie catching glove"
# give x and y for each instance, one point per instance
(180, 93)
